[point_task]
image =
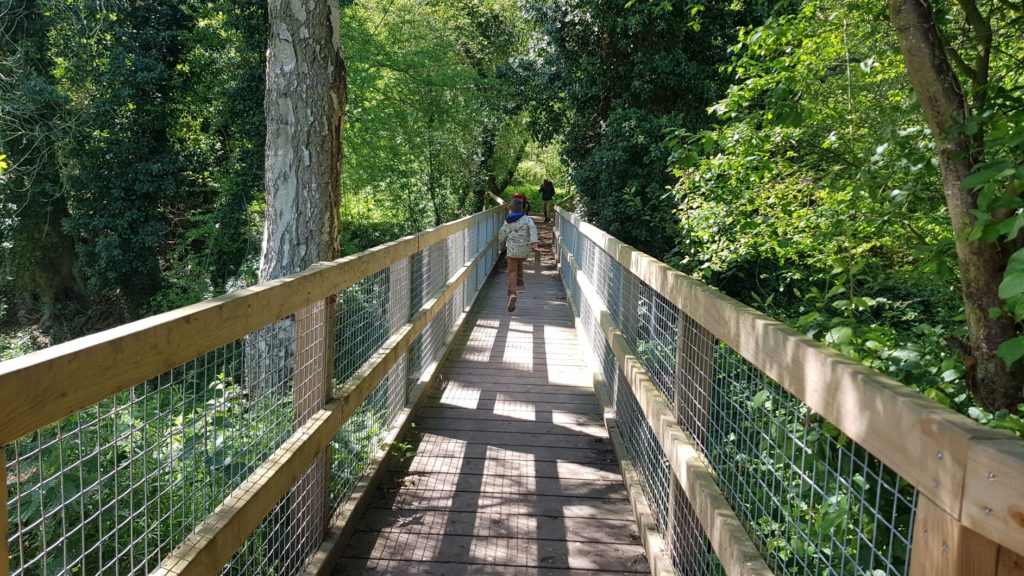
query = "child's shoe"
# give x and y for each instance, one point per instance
(511, 302)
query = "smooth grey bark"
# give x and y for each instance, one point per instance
(982, 264)
(305, 108)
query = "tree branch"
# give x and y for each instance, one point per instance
(957, 59)
(982, 28)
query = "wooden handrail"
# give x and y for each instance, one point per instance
(973, 473)
(215, 541)
(737, 552)
(43, 387)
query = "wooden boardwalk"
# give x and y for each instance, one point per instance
(513, 471)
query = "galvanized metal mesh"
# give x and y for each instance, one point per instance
(819, 502)
(813, 501)
(114, 488)
(288, 535)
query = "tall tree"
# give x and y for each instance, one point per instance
(619, 74)
(305, 109)
(958, 119)
(491, 35)
(38, 256)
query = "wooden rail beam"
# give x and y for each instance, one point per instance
(221, 534)
(925, 443)
(994, 492)
(732, 544)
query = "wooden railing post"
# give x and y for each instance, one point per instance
(314, 362)
(1010, 563)
(673, 479)
(5, 529)
(415, 352)
(330, 325)
(400, 298)
(628, 300)
(942, 546)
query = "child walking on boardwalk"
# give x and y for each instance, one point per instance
(519, 235)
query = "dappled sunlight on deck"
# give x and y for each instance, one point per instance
(513, 472)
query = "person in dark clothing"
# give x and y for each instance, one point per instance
(547, 194)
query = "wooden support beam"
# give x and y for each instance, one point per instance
(329, 347)
(215, 541)
(944, 547)
(5, 528)
(35, 387)
(1010, 563)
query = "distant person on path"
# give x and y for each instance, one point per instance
(547, 194)
(519, 235)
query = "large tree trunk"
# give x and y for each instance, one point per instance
(982, 263)
(305, 109)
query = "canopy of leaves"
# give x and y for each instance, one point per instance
(615, 76)
(816, 195)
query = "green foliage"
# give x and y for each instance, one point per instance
(426, 117)
(539, 162)
(615, 77)
(126, 168)
(136, 133)
(14, 344)
(166, 437)
(817, 198)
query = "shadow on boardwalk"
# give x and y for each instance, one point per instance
(513, 472)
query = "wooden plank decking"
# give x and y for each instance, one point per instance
(513, 471)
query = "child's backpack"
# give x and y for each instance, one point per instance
(526, 203)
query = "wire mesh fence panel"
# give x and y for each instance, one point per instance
(283, 543)
(690, 549)
(399, 295)
(363, 434)
(417, 290)
(435, 268)
(363, 321)
(814, 501)
(455, 250)
(817, 502)
(113, 488)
